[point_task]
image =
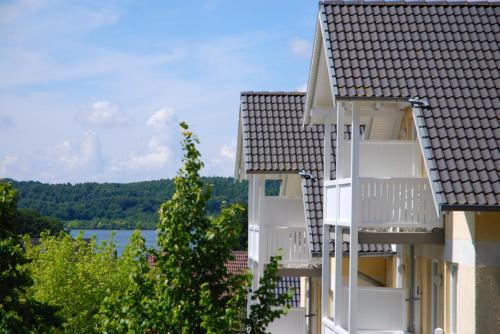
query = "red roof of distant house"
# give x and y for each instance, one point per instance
(237, 266)
(240, 263)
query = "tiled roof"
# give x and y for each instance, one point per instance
(273, 133)
(286, 283)
(447, 53)
(240, 263)
(273, 137)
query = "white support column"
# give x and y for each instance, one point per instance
(327, 151)
(263, 256)
(399, 268)
(325, 272)
(340, 142)
(337, 300)
(325, 251)
(353, 246)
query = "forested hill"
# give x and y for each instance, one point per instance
(116, 205)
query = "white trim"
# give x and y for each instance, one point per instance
(428, 160)
(453, 298)
(313, 73)
(328, 52)
(239, 169)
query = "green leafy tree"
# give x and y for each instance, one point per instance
(18, 312)
(266, 305)
(190, 289)
(77, 275)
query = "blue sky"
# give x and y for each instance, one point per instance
(94, 90)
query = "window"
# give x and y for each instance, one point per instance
(272, 187)
(453, 298)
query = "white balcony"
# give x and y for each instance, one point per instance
(384, 158)
(383, 202)
(393, 191)
(292, 323)
(379, 310)
(279, 224)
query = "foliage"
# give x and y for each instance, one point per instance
(118, 206)
(190, 289)
(266, 305)
(31, 222)
(77, 275)
(18, 312)
(129, 310)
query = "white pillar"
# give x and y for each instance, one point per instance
(340, 142)
(325, 251)
(353, 246)
(260, 199)
(325, 275)
(399, 268)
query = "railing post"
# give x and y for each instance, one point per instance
(353, 242)
(337, 293)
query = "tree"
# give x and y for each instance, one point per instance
(19, 313)
(77, 275)
(190, 289)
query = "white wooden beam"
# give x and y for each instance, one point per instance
(327, 150)
(340, 143)
(325, 270)
(355, 202)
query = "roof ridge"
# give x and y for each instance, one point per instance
(410, 2)
(272, 93)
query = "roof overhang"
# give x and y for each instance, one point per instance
(467, 207)
(321, 86)
(239, 166)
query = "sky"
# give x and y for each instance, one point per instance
(93, 91)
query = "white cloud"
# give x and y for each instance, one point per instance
(302, 88)
(157, 157)
(162, 118)
(300, 47)
(102, 113)
(228, 151)
(6, 122)
(86, 157)
(223, 163)
(6, 164)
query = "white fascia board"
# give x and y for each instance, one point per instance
(423, 139)
(313, 72)
(239, 168)
(327, 46)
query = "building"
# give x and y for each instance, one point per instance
(420, 82)
(418, 178)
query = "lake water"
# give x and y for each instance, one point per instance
(121, 237)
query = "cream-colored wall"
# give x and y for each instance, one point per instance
(472, 241)
(487, 272)
(373, 266)
(487, 299)
(291, 186)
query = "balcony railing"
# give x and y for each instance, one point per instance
(379, 309)
(383, 202)
(294, 322)
(279, 224)
(384, 158)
